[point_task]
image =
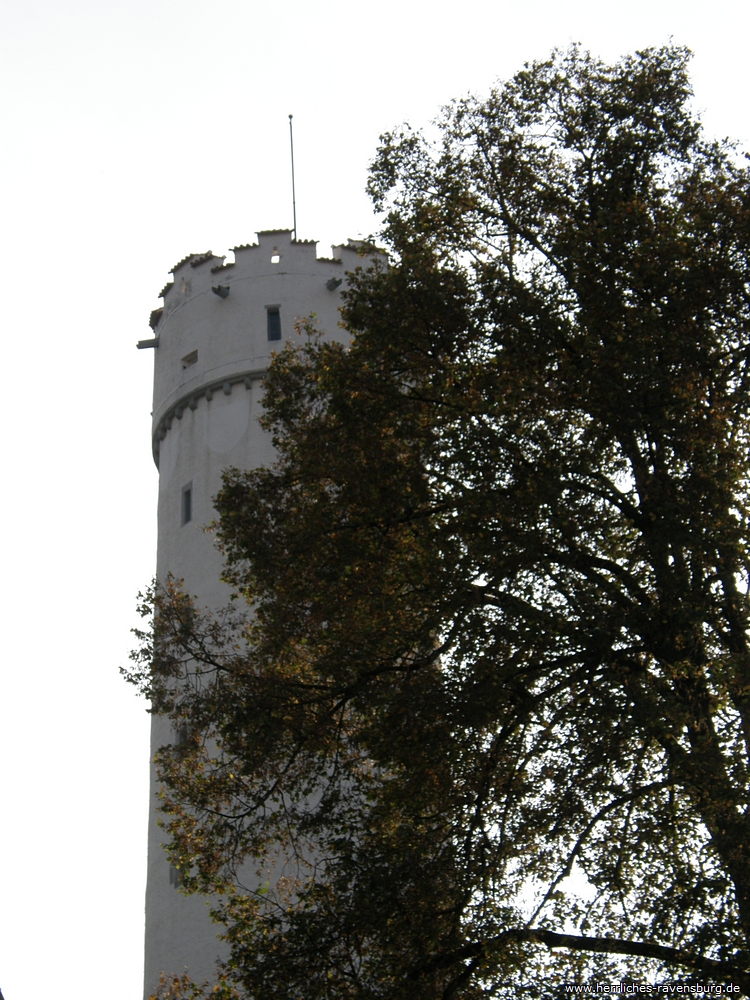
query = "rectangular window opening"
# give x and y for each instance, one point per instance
(189, 359)
(274, 322)
(187, 503)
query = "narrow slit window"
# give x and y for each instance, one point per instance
(187, 503)
(273, 317)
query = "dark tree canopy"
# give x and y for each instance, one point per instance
(498, 576)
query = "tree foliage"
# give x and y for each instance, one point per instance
(498, 576)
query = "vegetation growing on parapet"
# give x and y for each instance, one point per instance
(499, 575)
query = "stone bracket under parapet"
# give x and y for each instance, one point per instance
(191, 399)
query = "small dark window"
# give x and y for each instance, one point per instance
(187, 503)
(274, 322)
(189, 359)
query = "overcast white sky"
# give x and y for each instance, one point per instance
(136, 132)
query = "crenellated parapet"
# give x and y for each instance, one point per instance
(220, 322)
(279, 242)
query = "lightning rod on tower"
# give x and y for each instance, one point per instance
(294, 200)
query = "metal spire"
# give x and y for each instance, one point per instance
(294, 199)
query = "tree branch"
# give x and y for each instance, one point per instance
(607, 946)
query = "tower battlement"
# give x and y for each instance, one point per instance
(274, 249)
(221, 322)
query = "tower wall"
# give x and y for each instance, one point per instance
(211, 351)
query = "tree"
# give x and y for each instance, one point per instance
(498, 576)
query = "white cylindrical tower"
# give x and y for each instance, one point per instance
(214, 338)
